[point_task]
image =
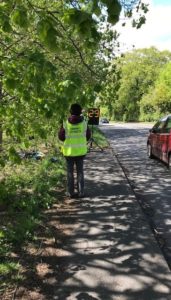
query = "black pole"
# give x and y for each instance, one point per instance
(92, 140)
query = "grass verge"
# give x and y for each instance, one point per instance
(26, 189)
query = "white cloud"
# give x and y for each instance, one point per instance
(156, 32)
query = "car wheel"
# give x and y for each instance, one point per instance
(169, 161)
(149, 151)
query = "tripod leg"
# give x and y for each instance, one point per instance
(92, 140)
(98, 145)
(91, 144)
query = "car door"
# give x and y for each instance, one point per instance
(164, 140)
(155, 137)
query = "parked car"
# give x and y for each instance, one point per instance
(159, 140)
(104, 120)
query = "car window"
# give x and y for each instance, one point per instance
(159, 126)
(168, 125)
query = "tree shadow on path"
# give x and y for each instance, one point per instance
(106, 251)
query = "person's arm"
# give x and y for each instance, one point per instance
(61, 134)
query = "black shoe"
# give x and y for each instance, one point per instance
(81, 195)
(71, 196)
(74, 196)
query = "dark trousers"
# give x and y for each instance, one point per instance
(75, 162)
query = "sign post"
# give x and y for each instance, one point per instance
(93, 119)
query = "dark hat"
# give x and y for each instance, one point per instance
(75, 109)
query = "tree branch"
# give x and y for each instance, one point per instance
(74, 44)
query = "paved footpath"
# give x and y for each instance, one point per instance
(112, 253)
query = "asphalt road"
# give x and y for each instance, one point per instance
(150, 179)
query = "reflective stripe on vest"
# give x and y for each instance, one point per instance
(75, 143)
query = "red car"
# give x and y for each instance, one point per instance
(159, 140)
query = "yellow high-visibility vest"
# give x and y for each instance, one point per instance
(75, 143)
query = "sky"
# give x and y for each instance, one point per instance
(156, 32)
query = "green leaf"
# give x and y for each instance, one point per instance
(6, 26)
(47, 34)
(19, 17)
(92, 7)
(51, 38)
(13, 155)
(36, 57)
(26, 143)
(76, 17)
(142, 21)
(95, 34)
(114, 7)
(96, 9)
(2, 162)
(84, 29)
(42, 29)
(75, 77)
(10, 83)
(2, 234)
(49, 114)
(113, 19)
(97, 88)
(42, 133)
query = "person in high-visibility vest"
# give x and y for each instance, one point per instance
(74, 134)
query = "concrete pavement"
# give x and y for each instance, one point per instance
(111, 253)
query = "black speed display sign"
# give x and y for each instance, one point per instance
(93, 116)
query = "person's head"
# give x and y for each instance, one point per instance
(75, 109)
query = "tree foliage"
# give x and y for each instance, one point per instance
(53, 53)
(130, 93)
(157, 101)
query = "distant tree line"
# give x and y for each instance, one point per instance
(138, 86)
